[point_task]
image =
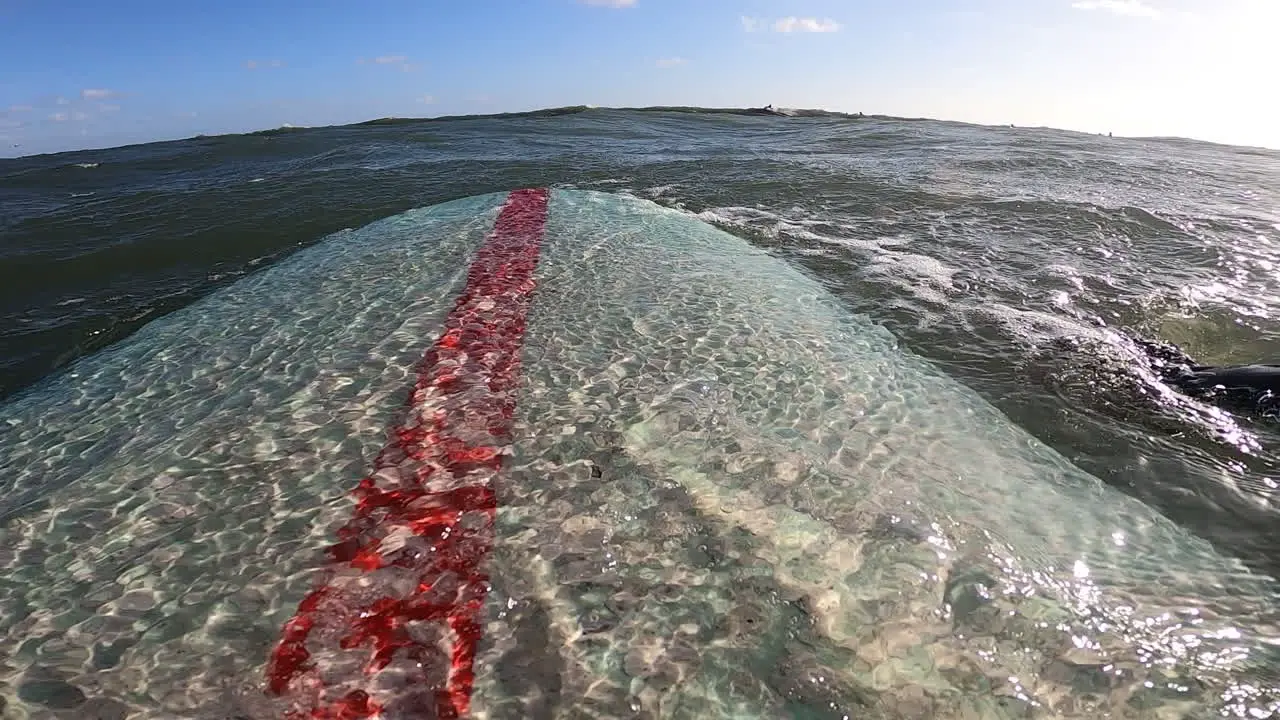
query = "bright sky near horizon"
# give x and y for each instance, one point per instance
(88, 73)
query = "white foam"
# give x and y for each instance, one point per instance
(925, 277)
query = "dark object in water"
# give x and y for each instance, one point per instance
(1261, 379)
(1255, 386)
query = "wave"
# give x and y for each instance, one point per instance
(768, 110)
(579, 109)
(545, 112)
(282, 130)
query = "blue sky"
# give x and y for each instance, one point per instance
(90, 73)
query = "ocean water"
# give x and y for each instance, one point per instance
(1020, 262)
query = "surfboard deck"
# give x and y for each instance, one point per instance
(571, 454)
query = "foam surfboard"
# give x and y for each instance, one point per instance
(556, 453)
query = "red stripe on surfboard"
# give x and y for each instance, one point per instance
(406, 576)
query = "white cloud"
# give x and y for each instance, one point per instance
(76, 115)
(62, 101)
(1131, 8)
(790, 24)
(400, 61)
(426, 99)
(19, 108)
(109, 107)
(670, 62)
(806, 24)
(609, 3)
(96, 93)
